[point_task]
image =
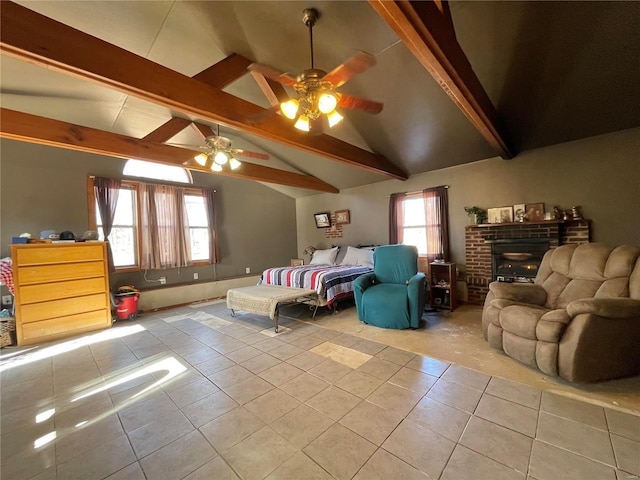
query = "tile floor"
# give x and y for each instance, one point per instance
(194, 393)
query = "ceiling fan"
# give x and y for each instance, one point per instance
(217, 152)
(316, 89)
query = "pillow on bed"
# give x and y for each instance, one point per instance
(342, 251)
(324, 257)
(358, 256)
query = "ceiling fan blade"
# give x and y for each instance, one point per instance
(357, 103)
(272, 74)
(359, 63)
(248, 154)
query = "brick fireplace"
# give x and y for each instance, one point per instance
(480, 238)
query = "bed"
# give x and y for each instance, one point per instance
(331, 281)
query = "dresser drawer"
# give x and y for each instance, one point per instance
(64, 326)
(61, 308)
(56, 273)
(59, 254)
(55, 291)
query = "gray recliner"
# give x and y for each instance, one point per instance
(580, 320)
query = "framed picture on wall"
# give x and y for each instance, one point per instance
(323, 219)
(342, 217)
(500, 215)
(535, 212)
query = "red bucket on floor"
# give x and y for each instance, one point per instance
(126, 301)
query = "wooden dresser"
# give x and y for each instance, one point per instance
(61, 289)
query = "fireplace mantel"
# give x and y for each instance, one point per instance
(478, 240)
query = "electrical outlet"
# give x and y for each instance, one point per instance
(163, 280)
(6, 300)
(195, 276)
(247, 270)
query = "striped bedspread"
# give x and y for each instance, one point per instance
(330, 281)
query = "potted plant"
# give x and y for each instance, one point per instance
(476, 214)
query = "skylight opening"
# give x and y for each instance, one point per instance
(157, 171)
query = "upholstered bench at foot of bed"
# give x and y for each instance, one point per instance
(266, 299)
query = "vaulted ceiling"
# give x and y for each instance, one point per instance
(460, 81)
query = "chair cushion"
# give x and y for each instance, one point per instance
(395, 263)
(386, 305)
(521, 320)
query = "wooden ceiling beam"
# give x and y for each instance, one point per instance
(45, 131)
(167, 130)
(224, 72)
(31, 37)
(426, 29)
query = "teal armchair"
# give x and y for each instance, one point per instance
(393, 296)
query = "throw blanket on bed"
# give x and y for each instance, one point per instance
(330, 281)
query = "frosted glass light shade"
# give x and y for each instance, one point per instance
(334, 118)
(233, 163)
(289, 108)
(327, 103)
(221, 158)
(216, 167)
(302, 123)
(201, 158)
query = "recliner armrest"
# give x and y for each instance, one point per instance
(605, 307)
(519, 292)
(364, 281)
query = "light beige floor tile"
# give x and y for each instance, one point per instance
(272, 405)
(302, 425)
(325, 334)
(306, 360)
(379, 368)
(23, 439)
(299, 467)
(229, 376)
(330, 371)
(304, 386)
(420, 447)
(75, 440)
(622, 475)
(229, 346)
(333, 402)
(23, 417)
(227, 430)
(257, 456)
(345, 340)
(514, 392)
(148, 410)
(508, 414)
(455, 395)
(28, 463)
(269, 344)
(360, 384)
(572, 409)
(192, 392)
(340, 451)
(383, 466)
(279, 374)
(286, 351)
(395, 355)
(623, 424)
(260, 363)
(498, 443)
(369, 347)
(465, 463)
(98, 463)
(396, 399)
(442, 419)
(214, 365)
(467, 377)
(208, 408)
(249, 389)
(428, 365)
(216, 469)
(553, 463)
(131, 472)
(341, 354)
(305, 343)
(179, 458)
(157, 434)
(627, 454)
(413, 380)
(576, 437)
(371, 422)
(243, 354)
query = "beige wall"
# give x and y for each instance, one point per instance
(45, 188)
(602, 174)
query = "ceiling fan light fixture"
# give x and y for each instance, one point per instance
(289, 108)
(201, 159)
(220, 158)
(216, 167)
(302, 123)
(334, 118)
(233, 163)
(327, 102)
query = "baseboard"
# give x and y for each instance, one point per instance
(183, 294)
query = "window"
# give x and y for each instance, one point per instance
(156, 171)
(414, 226)
(125, 238)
